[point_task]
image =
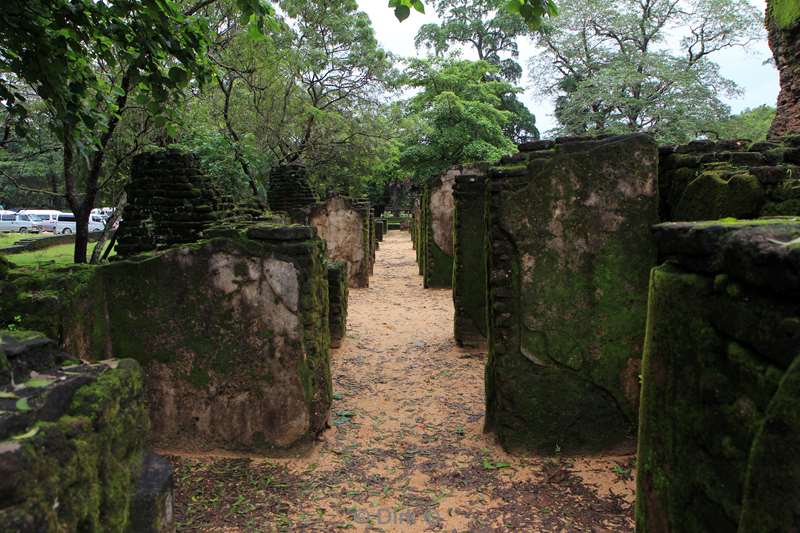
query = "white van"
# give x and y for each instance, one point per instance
(41, 215)
(18, 223)
(65, 224)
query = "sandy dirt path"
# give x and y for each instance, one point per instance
(406, 450)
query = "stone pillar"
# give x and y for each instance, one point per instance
(469, 251)
(233, 334)
(569, 257)
(341, 223)
(437, 228)
(719, 431)
(337, 301)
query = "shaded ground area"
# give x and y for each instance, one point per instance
(406, 451)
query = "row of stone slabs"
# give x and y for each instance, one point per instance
(553, 260)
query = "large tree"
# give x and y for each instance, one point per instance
(617, 66)
(457, 116)
(485, 26)
(88, 63)
(783, 23)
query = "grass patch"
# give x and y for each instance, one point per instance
(8, 239)
(55, 255)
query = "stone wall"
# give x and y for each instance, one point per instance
(719, 433)
(707, 180)
(290, 192)
(569, 257)
(469, 252)
(337, 299)
(342, 224)
(437, 231)
(232, 332)
(72, 441)
(170, 201)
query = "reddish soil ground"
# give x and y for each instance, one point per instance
(406, 449)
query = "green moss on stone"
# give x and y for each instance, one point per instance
(785, 12)
(720, 190)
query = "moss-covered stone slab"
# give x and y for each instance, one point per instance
(233, 334)
(718, 447)
(337, 298)
(720, 190)
(469, 251)
(73, 464)
(437, 207)
(570, 254)
(343, 227)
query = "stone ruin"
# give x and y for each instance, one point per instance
(73, 444)
(569, 257)
(337, 300)
(344, 226)
(290, 192)
(469, 256)
(232, 330)
(708, 180)
(434, 239)
(571, 241)
(719, 430)
(172, 201)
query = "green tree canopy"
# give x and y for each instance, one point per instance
(457, 116)
(617, 66)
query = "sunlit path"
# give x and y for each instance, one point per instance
(406, 450)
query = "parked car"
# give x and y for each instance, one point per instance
(65, 224)
(18, 223)
(41, 215)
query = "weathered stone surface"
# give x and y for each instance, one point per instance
(720, 191)
(783, 24)
(23, 351)
(232, 333)
(151, 505)
(718, 429)
(436, 227)
(469, 250)
(708, 180)
(570, 253)
(74, 470)
(337, 299)
(343, 227)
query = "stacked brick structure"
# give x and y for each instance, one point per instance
(290, 192)
(170, 201)
(707, 180)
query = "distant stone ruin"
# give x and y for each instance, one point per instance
(435, 227)
(171, 201)
(344, 226)
(719, 429)
(290, 192)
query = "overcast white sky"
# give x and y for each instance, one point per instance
(744, 66)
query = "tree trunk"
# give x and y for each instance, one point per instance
(82, 230)
(109, 230)
(783, 24)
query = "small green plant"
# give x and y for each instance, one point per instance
(15, 325)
